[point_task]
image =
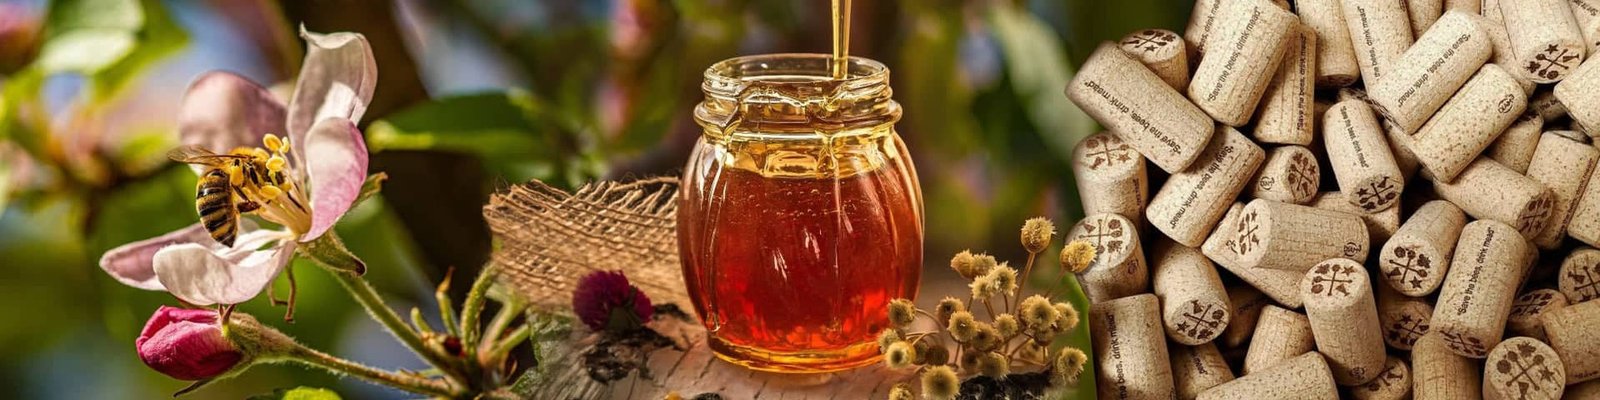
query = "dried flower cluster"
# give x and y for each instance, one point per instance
(1018, 333)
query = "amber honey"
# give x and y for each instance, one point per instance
(800, 215)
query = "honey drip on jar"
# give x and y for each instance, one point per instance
(801, 215)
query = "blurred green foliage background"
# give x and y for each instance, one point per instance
(474, 95)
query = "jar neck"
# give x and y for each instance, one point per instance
(782, 93)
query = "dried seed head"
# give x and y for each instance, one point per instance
(948, 307)
(983, 288)
(981, 264)
(963, 263)
(994, 365)
(1037, 312)
(899, 355)
(969, 361)
(986, 338)
(1036, 234)
(1032, 351)
(1068, 365)
(1068, 318)
(936, 355)
(920, 349)
(1007, 325)
(886, 338)
(901, 313)
(939, 383)
(900, 392)
(962, 326)
(1004, 278)
(1077, 256)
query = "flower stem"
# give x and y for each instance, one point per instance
(510, 342)
(340, 366)
(369, 299)
(1027, 272)
(472, 309)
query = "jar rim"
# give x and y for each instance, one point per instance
(728, 77)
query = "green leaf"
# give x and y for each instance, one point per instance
(160, 38)
(329, 252)
(548, 334)
(88, 35)
(299, 393)
(494, 126)
(1038, 70)
(84, 50)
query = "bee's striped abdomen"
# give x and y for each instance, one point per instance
(214, 202)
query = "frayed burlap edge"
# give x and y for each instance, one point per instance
(549, 238)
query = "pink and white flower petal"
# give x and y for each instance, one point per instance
(336, 167)
(206, 275)
(222, 111)
(133, 263)
(336, 81)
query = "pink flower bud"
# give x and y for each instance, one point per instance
(187, 344)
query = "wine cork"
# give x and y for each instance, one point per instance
(1281, 285)
(1529, 307)
(1522, 368)
(1575, 340)
(1243, 52)
(1504, 55)
(1162, 52)
(1380, 225)
(1488, 190)
(1119, 269)
(1433, 69)
(1400, 145)
(1471, 6)
(1576, 96)
(1129, 349)
(1515, 147)
(1304, 377)
(1287, 108)
(1380, 31)
(1547, 105)
(1280, 335)
(1194, 305)
(1360, 157)
(1394, 383)
(1545, 36)
(1586, 13)
(1247, 303)
(1336, 58)
(1414, 262)
(1198, 368)
(1403, 319)
(1202, 18)
(1584, 223)
(1583, 391)
(1191, 201)
(1580, 275)
(1437, 373)
(1344, 319)
(1484, 107)
(1423, 13)
(1277, 235)
(1476, 298)
(1491, 10)
(1128, 99)
(1111, 177)
(1290, 174)
(1564, 163)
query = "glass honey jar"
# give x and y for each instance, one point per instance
(800, 215)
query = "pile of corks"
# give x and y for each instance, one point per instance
(1375, 199)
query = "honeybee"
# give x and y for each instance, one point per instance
(220, 197)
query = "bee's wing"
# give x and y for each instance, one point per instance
(197, 155)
